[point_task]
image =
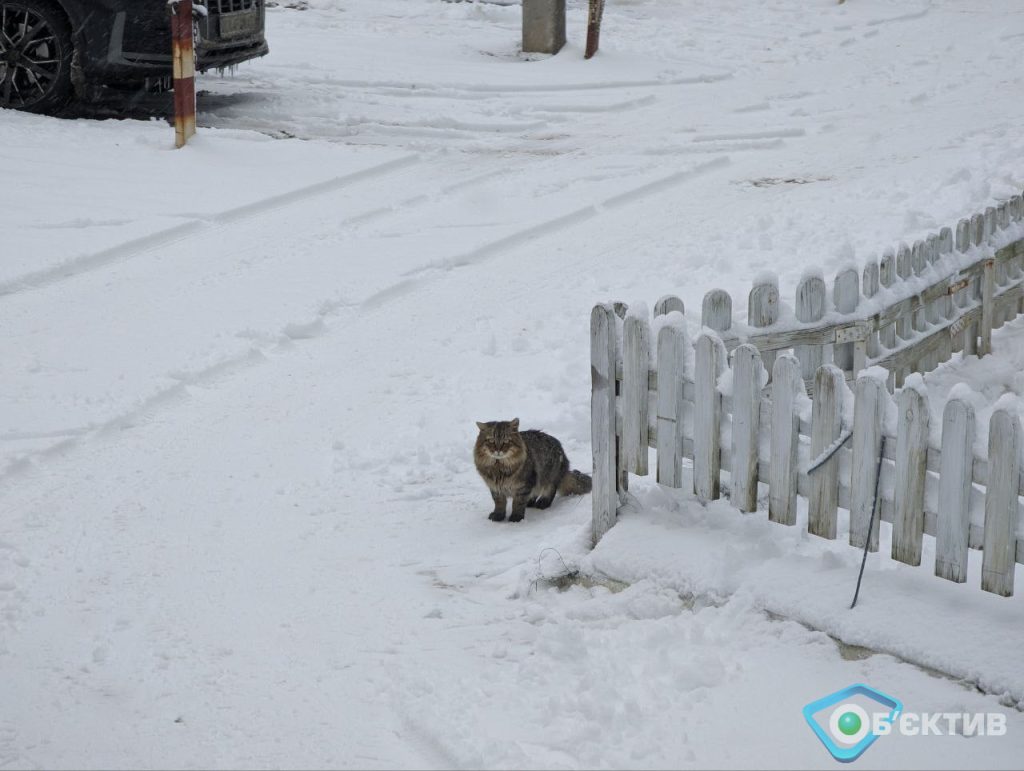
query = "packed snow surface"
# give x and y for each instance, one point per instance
(241, 526)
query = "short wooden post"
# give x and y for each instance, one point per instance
(747, 379)
(716, 311)
(672, 346)
(826, 426)
(871, 401)
(887, 277)
(605, 496)
(953, 529)
(763, 311)
(1000, 547)
(711, 358)
(945, 304)
(594, 15)
(911, 475)
(845, 298)
(904, 326)
(810, 307)
(543, 26)
(636, 365)
(787, 386)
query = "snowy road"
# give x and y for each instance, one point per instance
(241, 523)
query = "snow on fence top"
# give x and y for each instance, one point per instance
(751, 416)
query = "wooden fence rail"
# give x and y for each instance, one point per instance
(735, 400)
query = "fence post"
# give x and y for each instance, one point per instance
(868, 432)
(747, 378)
(763, 311)
(636, 365)
(988, 285)
(605, 497)
(787, 384)
(671, 369)
(1000, 547)
(911, 475)
(707, 417)
(810, 307)
(953, 529)
(543, 26)
(826, 425)
(183, 71)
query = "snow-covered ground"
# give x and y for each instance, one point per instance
(238, 386)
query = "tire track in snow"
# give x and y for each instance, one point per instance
(198, 224)
(439, 268)
(295, 332)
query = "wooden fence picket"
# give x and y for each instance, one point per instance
(826, 425)
(810, 307)
(763, 311)
(711, 359)
(716, 311)
(667, 304)
(747, 378)
(845, 298)
(869, 407)
(869, 286)
(672, 344)
(636, 363)
(887, 277)
(999, 556)
(604, 496)
(911, 476)
(953, 528)
(787, 386)
(904, 326)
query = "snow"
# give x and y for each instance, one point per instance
(242, 525)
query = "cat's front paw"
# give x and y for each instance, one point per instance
(497, 516)
(516, 518)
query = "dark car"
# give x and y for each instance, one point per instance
(49, 49)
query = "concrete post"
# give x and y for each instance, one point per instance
(543, 26)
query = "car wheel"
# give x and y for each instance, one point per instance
(35, 56)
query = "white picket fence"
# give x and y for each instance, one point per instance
(747, 414)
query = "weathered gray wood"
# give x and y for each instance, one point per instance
(952, 529)
(711, 359)
(763, 311)
(991, 225)
(963, 235)
(870, 404)
(845, 298)
(667, 304)
(716, 310)
(1001, 511)
(787, 386)
(910, 459)
(869, 287)
(810, 307)
(747, 378)
(636, 363)
(672, 346)
(887, 277)
(988, 286)
(826, 426)
(605, 496)
(904, 326)
(978, 229)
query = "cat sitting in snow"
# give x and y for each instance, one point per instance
(527, 466)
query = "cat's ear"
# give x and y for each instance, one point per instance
(515, 424)
(481, 426)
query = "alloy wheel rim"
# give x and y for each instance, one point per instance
(29, 57)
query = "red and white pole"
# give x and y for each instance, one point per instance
(183, 53)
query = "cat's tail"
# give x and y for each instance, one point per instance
(575, 483)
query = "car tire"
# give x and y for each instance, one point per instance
(36, 52)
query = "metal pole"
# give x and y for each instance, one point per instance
(183, 54)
